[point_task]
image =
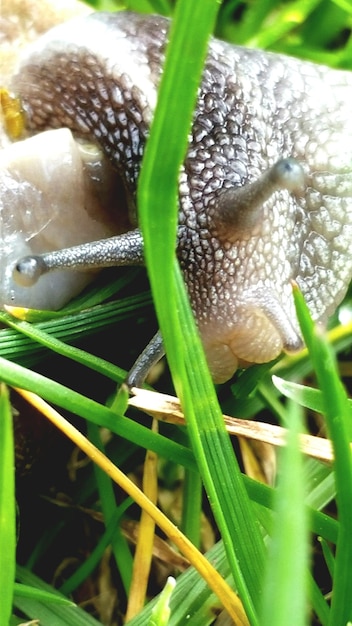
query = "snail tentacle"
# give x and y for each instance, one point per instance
(126, 249)
(240, 209)
(151, 355)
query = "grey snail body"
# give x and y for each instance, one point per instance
(265, 192)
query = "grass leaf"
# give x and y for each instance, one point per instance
(288, 555)
(337, 413)
(157, 195)
(7, 507)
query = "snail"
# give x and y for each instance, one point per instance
(265, 191)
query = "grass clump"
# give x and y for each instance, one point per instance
(261, 540)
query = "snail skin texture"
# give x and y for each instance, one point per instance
(265, 192)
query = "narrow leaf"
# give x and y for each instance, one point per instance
(7, 508)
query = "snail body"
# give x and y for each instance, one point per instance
(44, 180)
(265, 192)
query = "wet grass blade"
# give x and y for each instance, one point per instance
(288, 554)
(7, 508)
(157, 200)
(62, 396)
(337, 414)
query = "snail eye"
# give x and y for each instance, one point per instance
(28, 270)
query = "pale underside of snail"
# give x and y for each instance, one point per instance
(265, 192)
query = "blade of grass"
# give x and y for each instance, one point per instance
(26, 591)
(289, 17)
(100, 291)
(17, 376)
(83, 572)
(49, 613)
(213, 578)
(158, 183)
(7, 508)
(157, 194)
(192, 507)
(71, 327)
(145, 540)
(288, 554)
(320, 523)
(337, 413)
(306, 396)
(200, 605)
(191, 602)
(167, 409)
(120, 548)
(328, 556)
(161, 612)
(220, 472)
(75, 354)
(319, 603)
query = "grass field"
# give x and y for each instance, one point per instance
(273, 521)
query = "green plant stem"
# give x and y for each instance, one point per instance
(157, 201)
(337, 414)
(7, 508)
(192, 507)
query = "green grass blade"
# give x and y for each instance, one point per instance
(7, 508)
(191, 602)
(161, 612)
(121, 551)
(319, 603)
(337, 413)
(320, 523)
(83, 572)
(70, 327)
(158, 189)
(328, 556)
(75, 354)
(66, 398)
(192, 507)
(25, 591)
(164, 154)
(220, 472)
(51, 613)
(306, 396)
(288, 554)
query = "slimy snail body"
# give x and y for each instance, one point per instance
(265, 192)
(49, 190)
